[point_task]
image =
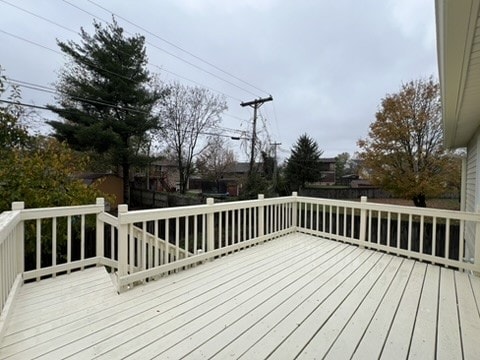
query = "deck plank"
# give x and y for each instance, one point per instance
(423, 346)
(475, 281)
(375, 334)
(216, 310)
(399, 336)
(239, 327)
(298, 296)
(307, 320)
(116, 318)
(469, 320)
(325, 336)
(448, 333)
(351, 335)
(65, 325)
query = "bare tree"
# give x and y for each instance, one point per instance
(216, 160)
(187, 114)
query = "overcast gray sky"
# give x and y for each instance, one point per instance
(327, 64)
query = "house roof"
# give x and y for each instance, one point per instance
(89, 178)
(458, 47)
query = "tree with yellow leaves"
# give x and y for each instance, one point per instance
(404, 152)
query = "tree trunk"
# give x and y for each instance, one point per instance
(419, 200)
(183, 175)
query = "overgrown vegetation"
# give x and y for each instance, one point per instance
(37, 170)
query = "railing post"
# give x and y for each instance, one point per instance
(261, 215)
(99, 229)
(20, 240)
(122, 245)
(476, 254)
(294, 210)
(363, 221)
(210, 225)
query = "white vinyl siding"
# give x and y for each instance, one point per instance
(472, 189)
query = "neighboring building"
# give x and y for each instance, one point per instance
(231, 182)
(327, 171)
(458, 46)
(109, 184)
(163, 175)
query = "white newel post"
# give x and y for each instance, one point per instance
(261, 215)
(99, 228)
(294, 210)
(20, 240)
(363, 221)
(210, 225)
(476, 245)
(122, 245)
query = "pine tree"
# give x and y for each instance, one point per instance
(106, 97)
(303, 165)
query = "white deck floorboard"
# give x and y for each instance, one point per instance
(298, 296)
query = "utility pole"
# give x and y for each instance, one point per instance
(255, 104)
(275, 145)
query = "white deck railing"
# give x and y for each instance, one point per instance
(433, 235)
(142, 245)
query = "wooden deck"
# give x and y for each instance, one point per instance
(294, 297)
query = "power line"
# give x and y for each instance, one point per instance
(178, 47)
(30, 42)
(167, 52)
(24, 104)
(38, 16)
(60, 53)
(75, 32)
(50, 90)
(100, 68)
(19, 103)
(46, 89)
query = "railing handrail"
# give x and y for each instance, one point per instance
(402, 209)
(8, 221)
(61, 211)
(135, 216)
(108, 219)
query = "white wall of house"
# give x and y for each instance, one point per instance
(472, 193)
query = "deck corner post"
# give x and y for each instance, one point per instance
(294, 211)
(122, 245)
(210, 225)
(20, 240)
(363, 221)
(476, 255)
(261, 215)
(99, 228)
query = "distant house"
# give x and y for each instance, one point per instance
(458, 44)
(327, 171)
(109, 184)
(231, 182)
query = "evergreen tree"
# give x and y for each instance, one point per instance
(106, 97)
(303, 165)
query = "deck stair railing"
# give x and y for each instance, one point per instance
(141, 245)
(159, 241)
